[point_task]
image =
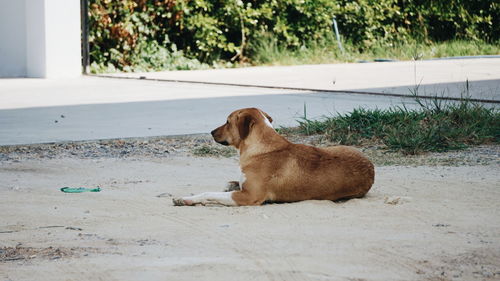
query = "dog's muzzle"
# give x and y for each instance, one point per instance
(221, 142)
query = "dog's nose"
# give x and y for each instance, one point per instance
(212, 132)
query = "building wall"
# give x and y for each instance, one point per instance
(40, 38)
(13, 38)
(63, 38)
(36, 58)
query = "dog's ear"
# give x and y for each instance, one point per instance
(267, 116)
(245, 124)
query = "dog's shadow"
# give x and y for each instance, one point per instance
(339, 201)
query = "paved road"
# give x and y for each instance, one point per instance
(40, 111)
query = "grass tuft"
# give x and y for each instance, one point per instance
(435, 126)
(214, 151)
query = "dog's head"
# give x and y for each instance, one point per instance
(239, 126)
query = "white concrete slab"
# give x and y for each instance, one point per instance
(434, 77)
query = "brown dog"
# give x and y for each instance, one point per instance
(274, 169)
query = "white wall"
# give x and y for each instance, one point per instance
(36, 58)
(42, 38)
(63, 38)
(12, 38)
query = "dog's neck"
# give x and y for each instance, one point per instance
(262, 139)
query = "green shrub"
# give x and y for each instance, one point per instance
(134, 35)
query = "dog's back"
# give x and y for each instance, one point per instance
(302, 172)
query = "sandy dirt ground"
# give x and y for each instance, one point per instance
(417, 223)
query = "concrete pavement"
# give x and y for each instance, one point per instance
(434, 77)
(39, 111)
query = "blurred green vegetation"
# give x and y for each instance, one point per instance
(140, 35)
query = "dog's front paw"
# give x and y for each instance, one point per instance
(232, 186)
(181, 202)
